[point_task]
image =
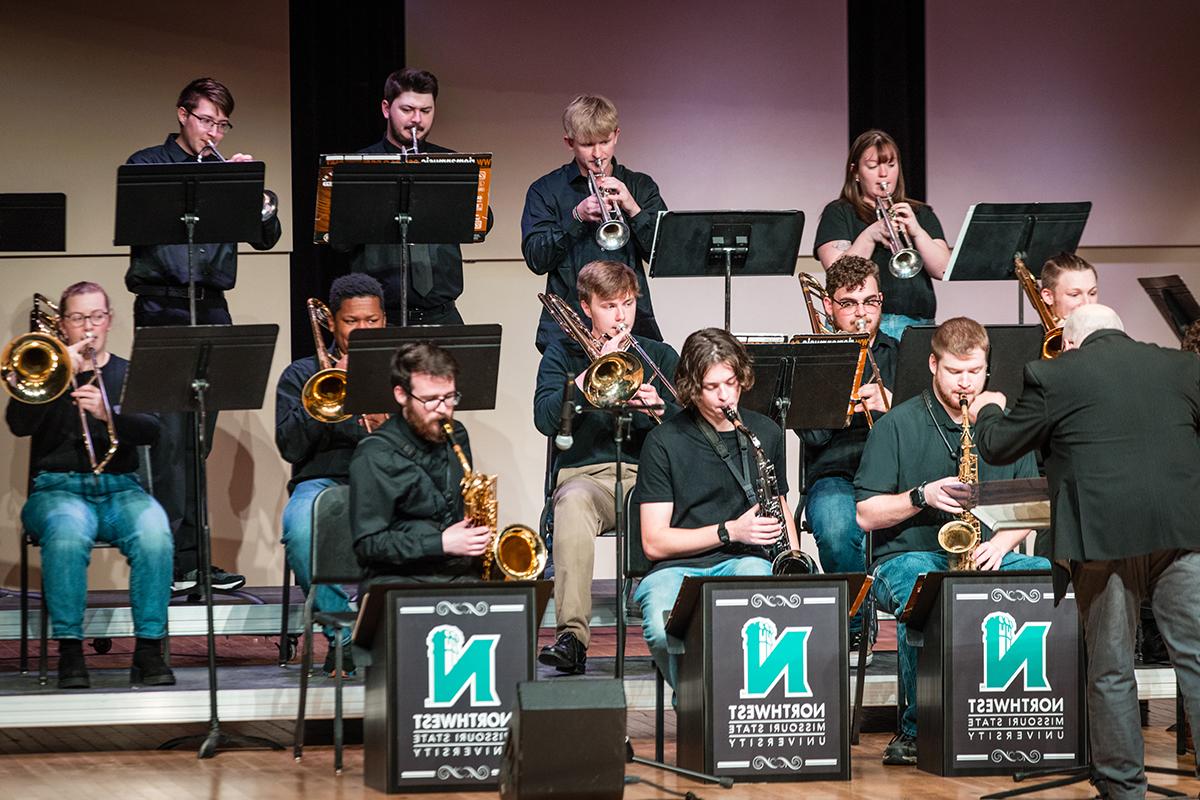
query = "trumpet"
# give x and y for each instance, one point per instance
(268, 206)
(324, 394)
(906, 261)
(613, 233)
(1052, 341)
(37, 368)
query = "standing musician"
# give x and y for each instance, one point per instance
(853, 224)
(1118, 422)
(320, 452)
(158, 275)
(1068, 282)
(406, 508)
(694, 487)
(852, 303)
(561, 224)
(912, 455)
(435, 276)
(71, 507)
(583, 500)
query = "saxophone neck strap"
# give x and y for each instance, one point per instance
(742, 474)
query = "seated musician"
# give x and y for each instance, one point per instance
(696, 482)
(1067, 282)
(319, 452)
(406, 507)
(583, 500)
(853, 303)
(69, 508)
(910, 458)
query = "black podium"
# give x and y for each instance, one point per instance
(763, 693)
(1000, 676)
(446, 659)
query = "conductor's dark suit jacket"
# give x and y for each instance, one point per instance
(1117, 424)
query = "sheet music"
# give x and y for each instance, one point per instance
(962, 232)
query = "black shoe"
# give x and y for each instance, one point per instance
(901, 751)
(566, 655)
(72, 671)
(222, 581)
(348, 666)
(148, 668)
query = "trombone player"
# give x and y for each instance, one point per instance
(583, 500)
(319, 441)
(77, 499)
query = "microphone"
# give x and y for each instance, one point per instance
(564, 440)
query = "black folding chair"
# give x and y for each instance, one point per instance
(636, 567)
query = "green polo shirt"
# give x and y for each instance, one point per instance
(905, 450)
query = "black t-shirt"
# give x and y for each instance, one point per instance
(913, 296)
(681, 467)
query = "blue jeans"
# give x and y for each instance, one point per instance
(297, 546)
(894, 324)
(830, 509)
(656, 595)
(894, 581)
(67, 513)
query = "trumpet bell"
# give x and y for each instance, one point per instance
(36, 368)
(905, 264)
(613, 379)
(519, 553)
(612, 235)
(324, 396)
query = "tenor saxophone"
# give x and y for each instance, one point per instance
(960, 536)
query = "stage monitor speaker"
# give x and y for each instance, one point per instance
(566, 740)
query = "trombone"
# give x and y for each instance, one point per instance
(324, 394)
(906, 261)
(1052, 341)
(613, 233)
(37, 368)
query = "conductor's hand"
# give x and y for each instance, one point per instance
(588, 209)
(618, 194)
(984, 399)
(752, 529)
(647, 395)
(937, 497)
(871, 396)
(88, 398)
(464, 538)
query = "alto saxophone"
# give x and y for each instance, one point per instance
(959, 537)
(785, 559)
(518, 551)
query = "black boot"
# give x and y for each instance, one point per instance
(148, 668)
(72, 671)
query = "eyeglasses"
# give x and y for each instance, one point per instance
(96, 318)
(431, 403)
(874, 301)
(224, 126)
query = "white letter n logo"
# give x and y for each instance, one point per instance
(767, 658)
(1008, 652)
(456, 664)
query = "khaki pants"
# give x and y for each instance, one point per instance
(583, 509)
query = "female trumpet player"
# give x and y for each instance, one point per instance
(857, 223)
(71, 507)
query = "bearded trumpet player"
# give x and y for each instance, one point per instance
(313, 433)
(585, 469)
(912, 455)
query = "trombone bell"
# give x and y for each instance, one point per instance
(324, 396)
(613, 379)
(36, 368)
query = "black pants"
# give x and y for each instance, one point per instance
(439, 315)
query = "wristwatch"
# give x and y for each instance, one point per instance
(917, 496)
(722, 533)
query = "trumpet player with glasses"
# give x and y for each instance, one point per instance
(583, 500)
(852, 303)
(915, 456)
(407, 514)
(315, 436)
(874, 218)
(84, 486)
(589, 209)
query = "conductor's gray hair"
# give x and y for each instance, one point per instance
(1086, 320)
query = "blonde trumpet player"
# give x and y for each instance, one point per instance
(589, 209)
(71, 506)
(585, 468)
(857, 223)
(316, 439)
(902, 488)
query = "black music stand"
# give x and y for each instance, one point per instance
(1012, 347)
(993, 234)
(33, 222)
(187, 202)
(476, 348)
(198, 369)
(421, 202)
(690, 244)
(806, 383)
(1174, 301)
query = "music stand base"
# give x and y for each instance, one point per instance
(1072, 775)
(703, 777)
(217, 739)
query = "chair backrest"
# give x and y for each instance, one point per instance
(333, 559)
(636, 563)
